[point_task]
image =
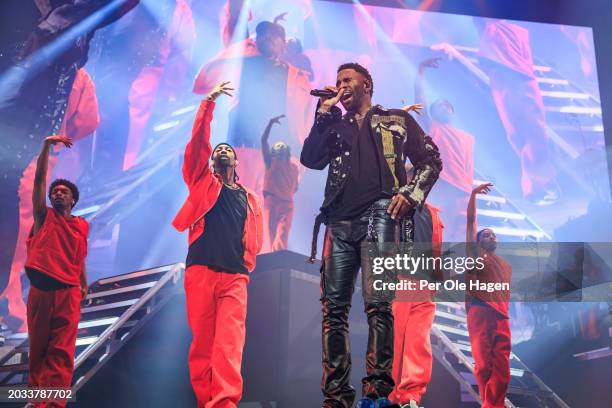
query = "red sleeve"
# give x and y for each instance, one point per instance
(198, 150)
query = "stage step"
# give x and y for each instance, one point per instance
(106, 323)
(452, 349)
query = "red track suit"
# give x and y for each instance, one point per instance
(57, 250)
(80, 120)
(506, 57)
(280, 184)
(413, 315)
(216, 301)
(489, 327)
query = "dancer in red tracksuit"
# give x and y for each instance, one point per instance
(413, 315)
(55, 265)
(488, 318)
(81, 119)
(225, 235)
(280, 184)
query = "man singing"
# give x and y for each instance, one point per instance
(225, 235)
(55, 265)
(487, 313)
(367, 199)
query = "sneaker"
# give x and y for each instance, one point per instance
(411, 404)
(365, 403)
(383, 403)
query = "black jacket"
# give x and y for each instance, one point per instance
(328, 144)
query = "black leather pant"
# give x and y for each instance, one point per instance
(345, 249)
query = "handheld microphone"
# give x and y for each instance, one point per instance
(323, 93)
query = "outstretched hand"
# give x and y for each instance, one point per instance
(276, 120)
(430, 62)
(52, 140)
(447, 49)
(482, 189)
(222, 87)
(415, 107)
(280, 17)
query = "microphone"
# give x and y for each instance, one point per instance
(323, 93)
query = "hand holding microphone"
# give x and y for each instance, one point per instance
(329, 96)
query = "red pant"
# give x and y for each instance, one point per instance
(53, 319)
(279, 214)
(491, 345)
(412, 358)
(216, 311)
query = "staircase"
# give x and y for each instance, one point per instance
(575, 129)
(451, 347)
(114, 310)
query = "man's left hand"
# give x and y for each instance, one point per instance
(399, 206)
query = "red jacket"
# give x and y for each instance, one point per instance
(205, 187)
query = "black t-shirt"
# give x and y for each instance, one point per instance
(262, 94)
(369, 178)
(220, 246)
(44, 282)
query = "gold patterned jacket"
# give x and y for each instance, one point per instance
(330, 143)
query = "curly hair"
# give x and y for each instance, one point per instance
(362, 70)
(73, 188)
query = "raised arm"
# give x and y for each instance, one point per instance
(265, 146)
(419, 89)
(472, 225)
(39, 193)
(199, 149)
